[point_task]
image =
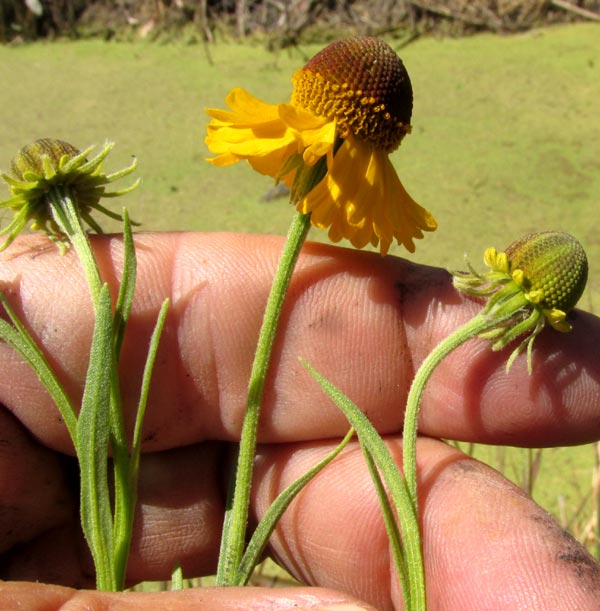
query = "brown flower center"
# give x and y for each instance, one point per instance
(362, 84)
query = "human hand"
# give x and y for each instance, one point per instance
(365, 323)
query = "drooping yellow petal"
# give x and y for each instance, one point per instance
(362, 199)
(252, 131)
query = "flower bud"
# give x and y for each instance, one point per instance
(44, 174)
(554, 265)
(538, 279)
(29, 158)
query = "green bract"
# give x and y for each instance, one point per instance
(47, 165)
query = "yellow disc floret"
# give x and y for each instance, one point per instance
(362, 84)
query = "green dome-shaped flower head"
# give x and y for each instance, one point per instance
(46, 170)
(537, 279)
(29, 162)
(555, 267)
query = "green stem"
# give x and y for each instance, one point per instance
(67, 216)
(125, 495)
(478, 324)
(234, 529)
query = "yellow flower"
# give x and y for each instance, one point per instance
(537, 280)
(350, 108)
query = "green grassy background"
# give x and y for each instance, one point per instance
(506, 140)
(506, 134)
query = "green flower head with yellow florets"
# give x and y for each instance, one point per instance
(48, 168)
(538, 279)
(350, 108)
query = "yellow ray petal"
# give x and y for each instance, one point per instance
(362, 199)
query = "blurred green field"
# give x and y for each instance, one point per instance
(506, 140)
(506, 134)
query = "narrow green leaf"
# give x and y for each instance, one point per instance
(389, 518)
(414, 593)
(177, 577)
(225, 568)
(125, 493)
(93, 434)
(145, 389)
(21, 341)
(263, 531)
(128, 280)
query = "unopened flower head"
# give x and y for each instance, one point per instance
(350, 107)
(50, 168)
(538, 279)
(555, 267)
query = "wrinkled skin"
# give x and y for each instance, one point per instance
(365, 323)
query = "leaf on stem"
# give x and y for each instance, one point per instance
(18, 338)
(127, 288)
(414, 590)
(146, 378)
(266, 526)
(93, 434)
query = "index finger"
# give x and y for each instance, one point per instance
(363, 321)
